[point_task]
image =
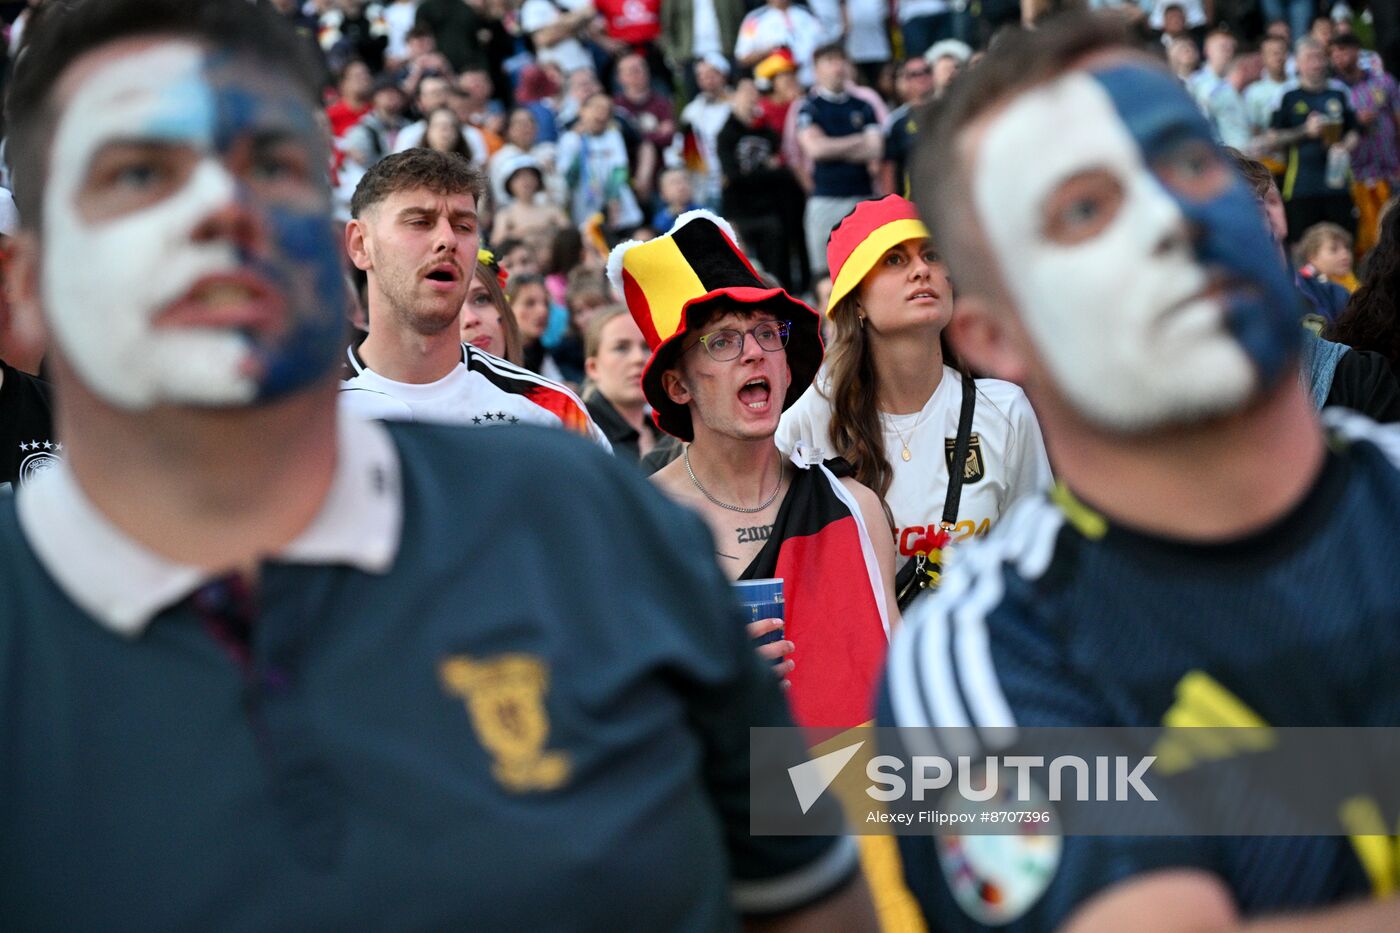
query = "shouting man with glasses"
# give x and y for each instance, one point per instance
(729, 355)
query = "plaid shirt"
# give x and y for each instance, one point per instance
(1377, 157)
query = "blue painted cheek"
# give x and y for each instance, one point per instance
(1159, 115)
(310, 274)
(305, 256)
(1233, 237)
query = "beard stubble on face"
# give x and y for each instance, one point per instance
(424, 314)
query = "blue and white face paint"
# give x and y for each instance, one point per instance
(188, 253)
(1135, 252)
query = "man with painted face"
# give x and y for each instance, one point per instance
(266, 668)
(1209, 542)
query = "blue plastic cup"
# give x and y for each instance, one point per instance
(762, 599)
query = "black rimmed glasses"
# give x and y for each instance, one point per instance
(725, 345)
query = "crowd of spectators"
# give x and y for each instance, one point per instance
(577, 126)
(599, 123)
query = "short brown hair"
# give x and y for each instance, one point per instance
(1023, 59)
(439, 172)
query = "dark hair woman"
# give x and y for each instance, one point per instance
(889, 399)
(1371, 320)
(444, 133)
(529, 299)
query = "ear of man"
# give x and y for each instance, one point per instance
(675, 385)
(989, 339)
(356, 246)
(25, 329)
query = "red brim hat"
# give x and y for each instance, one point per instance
(672, 282)
(863, 236)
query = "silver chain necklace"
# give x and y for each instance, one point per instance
(725, 505)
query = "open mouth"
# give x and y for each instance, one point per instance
(444, 274)
(1219, 291)
(925, 294)
(237, 301)
(755, 394)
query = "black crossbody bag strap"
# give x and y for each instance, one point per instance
(914, 576)
(956, 468)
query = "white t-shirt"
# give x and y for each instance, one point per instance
(705, 30)
(1006, 459)
(569, 54)
(768, 28)
(906, 10)
(868, 39)
(399, 17)
(598, 173)
(707, 118)
(483, 391)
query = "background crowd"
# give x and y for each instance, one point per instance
(602, 122)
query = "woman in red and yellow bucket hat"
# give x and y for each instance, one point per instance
(889, 398)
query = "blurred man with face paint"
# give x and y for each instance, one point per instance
(1207, 529)
(242, 691)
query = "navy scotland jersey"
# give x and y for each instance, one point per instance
(536, 718)
(1306, 175)
(1062, 618)
(838, 115)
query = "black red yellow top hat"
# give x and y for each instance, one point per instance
(674, 280)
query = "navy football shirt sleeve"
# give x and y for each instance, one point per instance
(975, 656)
(728, 689)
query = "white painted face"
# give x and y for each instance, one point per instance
(152, 298)
(1098, 256)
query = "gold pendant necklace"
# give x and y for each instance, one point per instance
(905, 453)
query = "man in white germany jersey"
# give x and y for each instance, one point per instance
(414, 231)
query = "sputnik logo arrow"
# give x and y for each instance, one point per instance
(811, 778)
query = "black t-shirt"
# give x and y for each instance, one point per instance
(1363, 382)
(753, 186)
(626, 440)
(458, 31)
(27, 445)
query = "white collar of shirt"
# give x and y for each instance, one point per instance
(837, 97)
(123, 585)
